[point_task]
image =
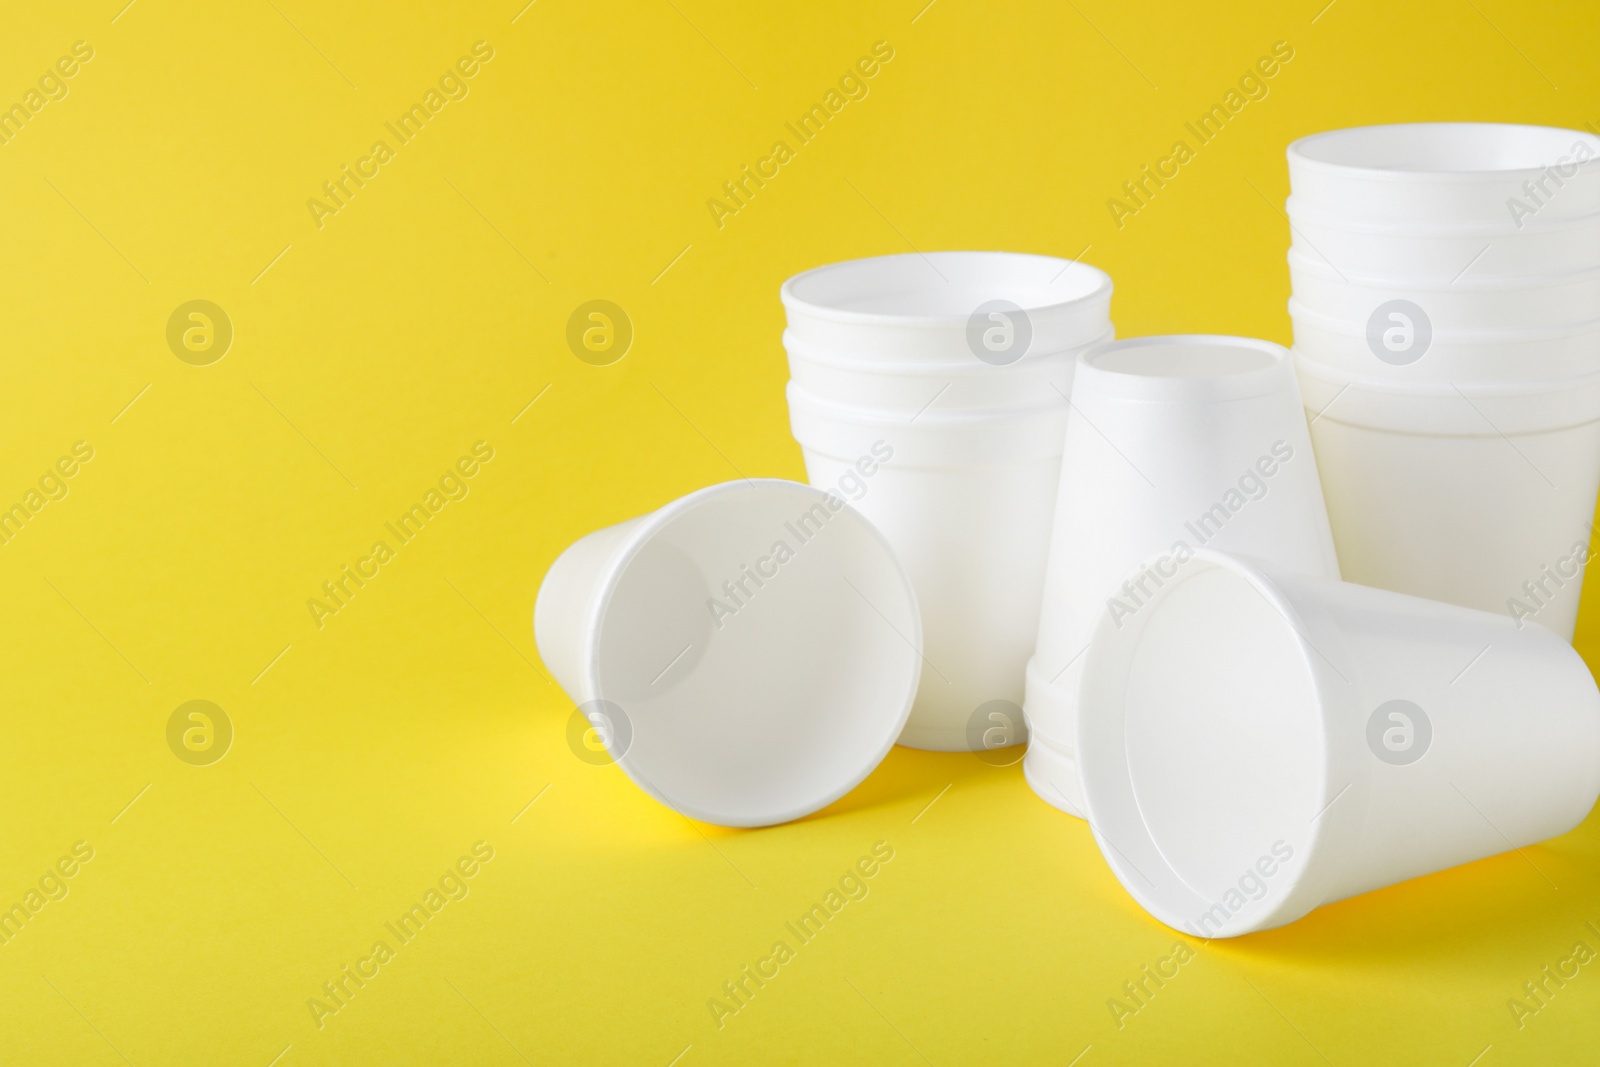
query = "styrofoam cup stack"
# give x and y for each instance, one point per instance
(930, 391)
(1172, 444)
(1446, 313)
(747, 653)
(1447, 251)
(1257, 743)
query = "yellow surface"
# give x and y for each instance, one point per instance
(370, 353)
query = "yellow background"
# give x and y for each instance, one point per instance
(426, 315)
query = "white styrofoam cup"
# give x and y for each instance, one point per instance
(1172, 444)
(747, 653)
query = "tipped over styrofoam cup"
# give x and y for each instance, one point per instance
(1470, 173)
(965, 498)
(1477, 493)
(1172, 444)
(747, 653)
(1257, 743)
(989, 307)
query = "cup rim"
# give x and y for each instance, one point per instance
(648, 527)
(1235, 384)
(1300, 152)
(791, 293)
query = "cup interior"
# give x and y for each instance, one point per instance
(1447, 147)
(760, 648)
(941, 286)
(1203, 752)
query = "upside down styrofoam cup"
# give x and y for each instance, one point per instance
(955, 307)
(1476, 493)
(965, 499)
(748, 653)
(1172, 444)
(1455, 173)
(1257, 743)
